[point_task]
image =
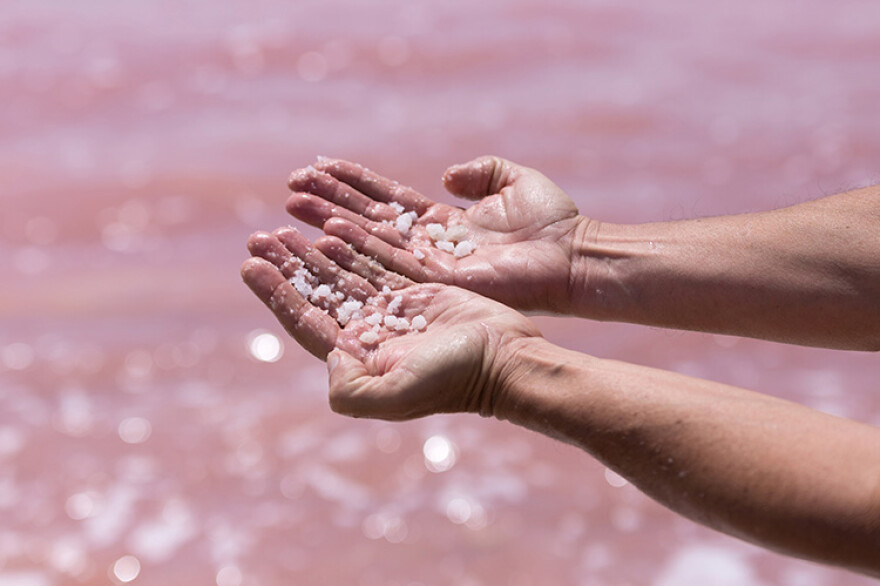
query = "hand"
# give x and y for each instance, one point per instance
(524, 227)
(453, 362)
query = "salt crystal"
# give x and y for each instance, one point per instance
(348, 310)
(403, 224)
(369, 337)
(386, 289)
(445, 245)
(374, 318)
(418, 254)
(340, 295)
(299, 282)
(390, 321)
(419, 323)
(402, 324)
(321, 292)
(464, 248)
(456, 233)
(436, 231)
(396, 207)
(395, 304)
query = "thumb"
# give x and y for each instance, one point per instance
(480, 177)
(347, 376)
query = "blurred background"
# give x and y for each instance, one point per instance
(157, 427)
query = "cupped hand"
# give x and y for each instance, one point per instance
(395, 349)
(523, 227)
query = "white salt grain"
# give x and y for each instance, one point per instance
(374, 318)
(402, 324)
(348, 310)
(396, 207)
(464, 248)
(369, 337)
(456, 233)
(445, 245)
(300, 283)
(395, 304)
(390, 322)
(418, 254)
(404, 224)
(321, 292)
(436, 231)
(419, 323)
(340, 295)
(386, 289)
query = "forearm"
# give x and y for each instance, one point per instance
(808, 274)
(765, 470)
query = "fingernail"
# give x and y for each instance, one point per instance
(332, 361)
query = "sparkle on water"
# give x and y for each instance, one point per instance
(126, 568)
(135, 430)
(615, 479)
(265, 346)
(229, 576)
(439, 453)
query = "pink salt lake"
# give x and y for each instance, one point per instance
(146, 436)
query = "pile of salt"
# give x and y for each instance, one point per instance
(451, 239)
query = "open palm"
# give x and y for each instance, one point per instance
(523, 227)
(403, 353)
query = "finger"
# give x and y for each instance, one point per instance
(328, 187)
(374, 185)
(351, 284)
(390, 257)
(312, 327)
(266, 246)
(299, 271)
(355, 393)
(366, 267)
(316, 211)
(481, 177)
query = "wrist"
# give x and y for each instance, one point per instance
(601, 253)
(532, 381)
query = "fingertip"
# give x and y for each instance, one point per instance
(296, 201)
(247, 269)
(299, 179)
(285, 231)
(341, 228)
(259, 241)
(468, 180)
(329, 243)
(255, 271)
(331, 164)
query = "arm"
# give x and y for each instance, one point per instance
(807, 274)
(756, 467)
(765, 470)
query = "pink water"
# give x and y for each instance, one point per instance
(140, 143)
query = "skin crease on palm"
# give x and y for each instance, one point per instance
(523, 226)
(451, 366)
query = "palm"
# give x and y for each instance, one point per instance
(445, 363)
(523, 236)
(448, 368)
(523, 227)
